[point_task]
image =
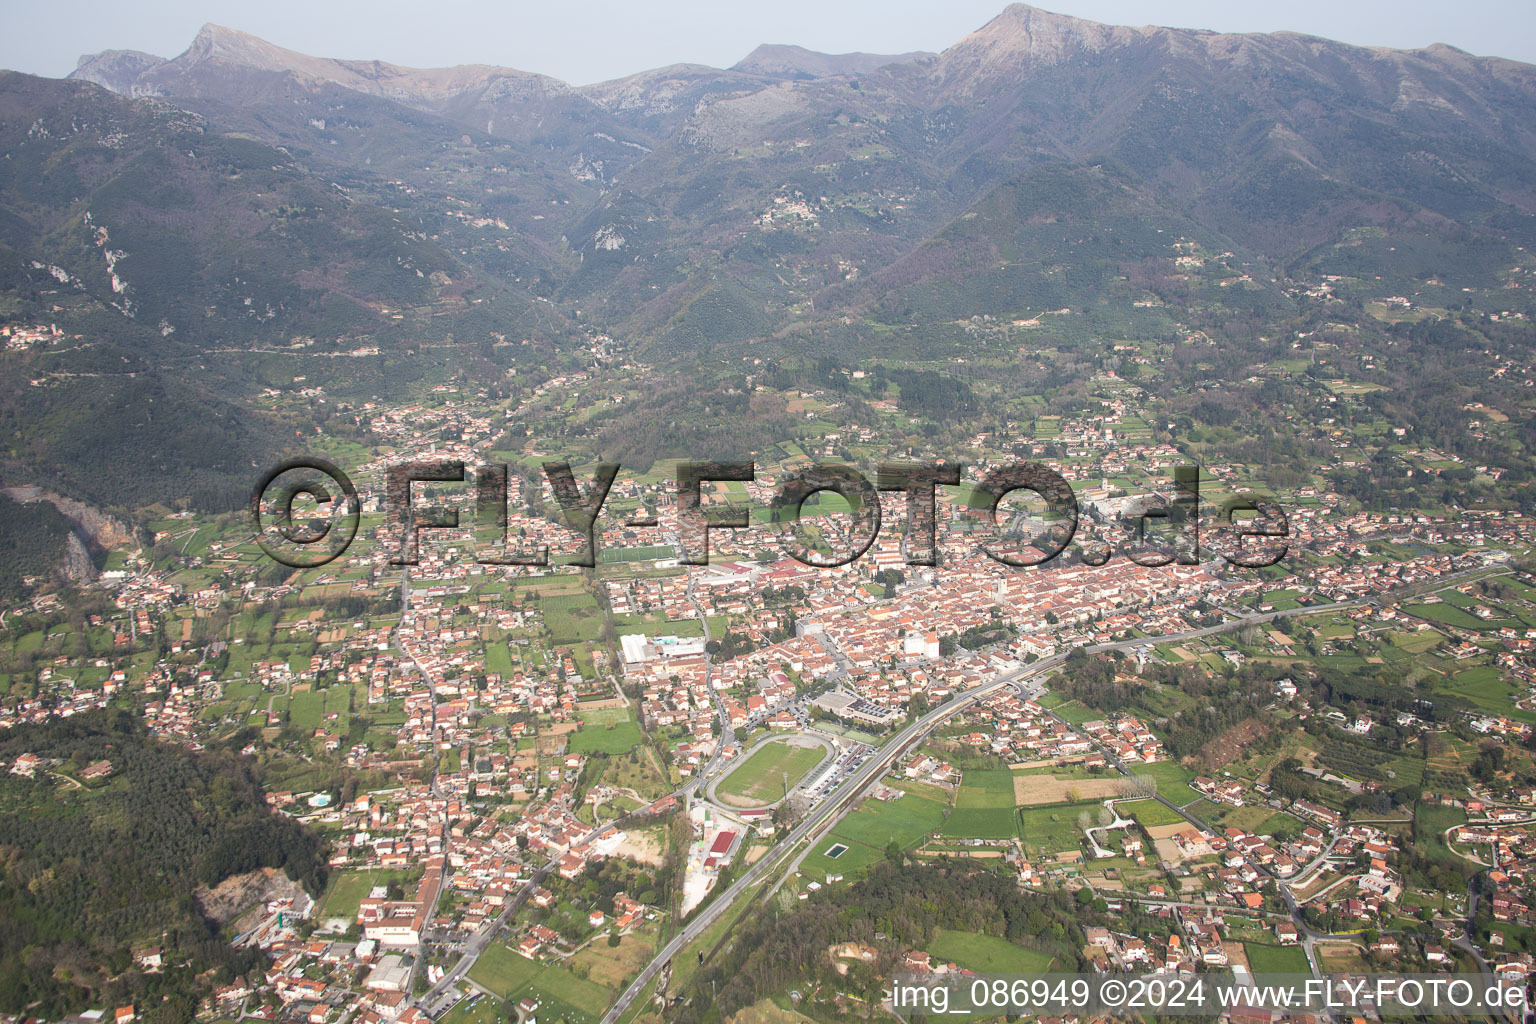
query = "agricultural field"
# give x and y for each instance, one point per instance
(1037, 790)
(877, 822)
(984, 806)
(761, 778)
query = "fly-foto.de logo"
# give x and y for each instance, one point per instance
(1158, 529)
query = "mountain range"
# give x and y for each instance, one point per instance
(242, 214)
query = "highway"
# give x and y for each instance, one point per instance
(818, 821)
(826, 814)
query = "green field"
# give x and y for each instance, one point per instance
(986, 954)
(1049, 830)
(877, 822)
(1072, 712)
(760, 779)
(1149, 813)
(307, 710)
(1448, 614)
(980, 823)
(1430, 823)
(1172, 780)
(564, 996)
(1266, 959)
(347, 889)
(986, 789)
(498, 660)
(503, 970)
(858, 856)
(870, 829)
(1485, 686)
(645, 554)
(660, 625)
(984, 807)
(607, 731)
(572, 618)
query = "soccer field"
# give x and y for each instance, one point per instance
(760, 779)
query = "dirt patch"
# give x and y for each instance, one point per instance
(642, 847)
(239, 893)
(1034, 790)
(981, 853)
(601, 705)
(1168, 850)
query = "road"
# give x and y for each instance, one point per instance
(824, 814)
(821, 818)
(829, 811)
(438, 998)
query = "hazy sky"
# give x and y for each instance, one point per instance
(584, 41)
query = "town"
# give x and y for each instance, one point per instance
(541, 776)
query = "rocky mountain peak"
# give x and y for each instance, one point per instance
(1022, 32)
(115, 69)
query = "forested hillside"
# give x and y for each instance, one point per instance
(32, 538)
(895, 909)
(91, 871)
